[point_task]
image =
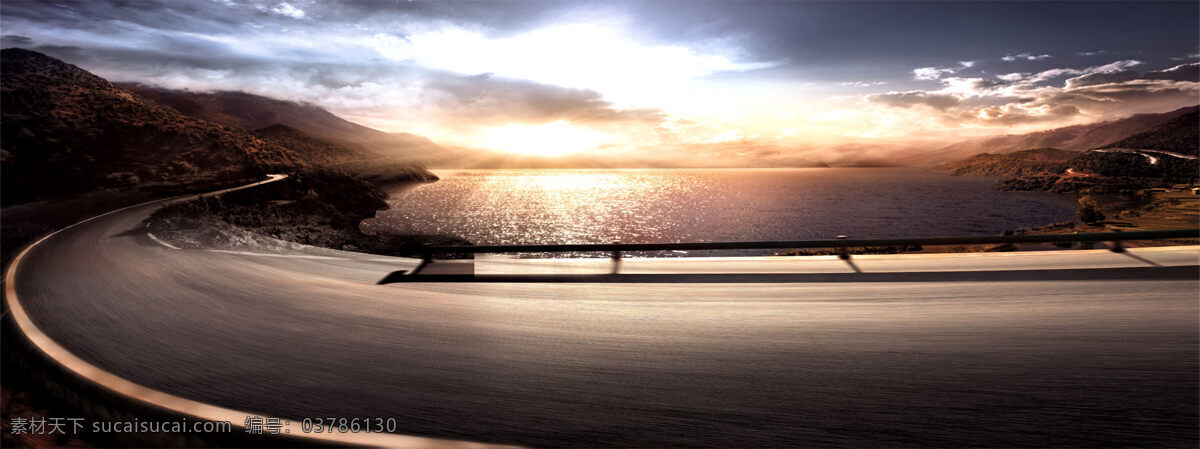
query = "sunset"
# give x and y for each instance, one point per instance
(644, 81)
(600, 224)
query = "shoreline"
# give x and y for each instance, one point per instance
(1149, 211)
(306, 227)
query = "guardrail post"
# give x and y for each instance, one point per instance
(616, 258)
(426, 259)
(843, 252)
(1117, 247)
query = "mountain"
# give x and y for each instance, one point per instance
(316, 150)
(1160, 157)
(1020, 163)
(1077, 138)
(1142, 155)
(66, 131)
(247, 111)
(345, 157)
(1179, 135)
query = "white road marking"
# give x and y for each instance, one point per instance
(176, 404)
(160, 242)
(306, 256)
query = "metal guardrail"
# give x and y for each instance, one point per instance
(830, 243)
(616, 249)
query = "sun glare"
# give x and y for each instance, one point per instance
(551, 139)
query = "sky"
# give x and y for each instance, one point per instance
(743, 83)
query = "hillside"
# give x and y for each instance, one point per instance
(1179, 135)
(247, 111)
(1128, 165)
(344, 157)
(67, 131)
(1076, 138)
(1020, 163)
(88, 145)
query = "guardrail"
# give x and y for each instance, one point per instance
(830, 243)
(616, 249)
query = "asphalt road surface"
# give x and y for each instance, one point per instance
(1082, 348)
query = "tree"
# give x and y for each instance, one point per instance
(1089, 211)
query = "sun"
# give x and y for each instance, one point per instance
(550, 139)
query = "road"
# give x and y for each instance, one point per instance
(1153, 160)
(1103, 353)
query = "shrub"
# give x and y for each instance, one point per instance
(1089, 212)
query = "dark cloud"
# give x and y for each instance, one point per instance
(1101, 91)
(917, 97)
(1008, 115)
(1125, 94)
(1104, 99)
(13, 40)
(1182, 72)
(487, 98)
(1093, 79)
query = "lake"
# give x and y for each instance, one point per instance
(673, 205)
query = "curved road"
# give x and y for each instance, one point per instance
(1103, 353)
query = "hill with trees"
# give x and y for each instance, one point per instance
(1020, 163)
(1178, 135)
(348, 158)
(67, 131)
(248, 111)
(1162, 156)
(1074, 138)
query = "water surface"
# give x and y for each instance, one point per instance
(670, 205)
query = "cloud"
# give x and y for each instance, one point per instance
(1046, 98)
(1112, 67)
(1025, 57)
(488, 99)
(1182, 72)
(1128, 95)
(1017, 114)
(415, 66)
(13, 40)
(916, 97)
(580, 55)
(930, 73)
(1089, 53)
(862, 83)
(1012, 76)
(1092, 79)
(403, 67)
(286, 9)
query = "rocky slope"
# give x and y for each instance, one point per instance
(1178, 135)
(247, 111)
(1160, 157)
(1076, 138)
(344, 157)
(88, 145)
(1019, 163)
(66, 131)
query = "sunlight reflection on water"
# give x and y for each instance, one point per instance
(643, 206)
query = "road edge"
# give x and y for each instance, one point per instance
(175, 404)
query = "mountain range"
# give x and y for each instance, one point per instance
(1177, 135)
(67, 131)
(1018, 163)
(247, 111)
(1076, 138)
(1162, 156)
